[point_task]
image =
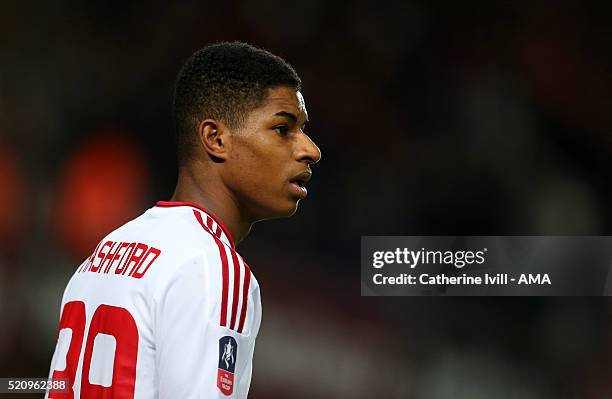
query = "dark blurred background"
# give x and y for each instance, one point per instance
(443, 117)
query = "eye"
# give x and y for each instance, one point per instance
(283, 130)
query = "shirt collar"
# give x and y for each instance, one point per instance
(213, 223)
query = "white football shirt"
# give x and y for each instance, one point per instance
(163, 308)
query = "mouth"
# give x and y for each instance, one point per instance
(298, 183)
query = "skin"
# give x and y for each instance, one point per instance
(243, 174)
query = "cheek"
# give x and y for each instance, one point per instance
(248, 158)
(258, 163)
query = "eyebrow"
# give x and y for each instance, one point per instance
(289, 115)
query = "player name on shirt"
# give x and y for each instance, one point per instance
(131, 259)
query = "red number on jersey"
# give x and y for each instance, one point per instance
(119, 323)
(73, 317)
(110, 320)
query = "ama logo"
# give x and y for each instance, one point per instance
(228, 352)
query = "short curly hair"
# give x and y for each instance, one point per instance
(224, 81)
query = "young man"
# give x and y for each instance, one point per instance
(165, 307)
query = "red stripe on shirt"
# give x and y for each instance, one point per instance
(218, 231)
(224, 270)
(236, 289)
(245, 296)
(209, 222)
(198, 216)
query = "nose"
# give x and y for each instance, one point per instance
(307, 150)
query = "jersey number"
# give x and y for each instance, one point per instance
(110, 320)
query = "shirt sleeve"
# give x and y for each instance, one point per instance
(196, 355)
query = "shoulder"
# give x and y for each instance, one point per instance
(153, 247)
(195, 255)
(220, 280)
(175, 232)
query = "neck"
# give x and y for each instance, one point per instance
(192, 187)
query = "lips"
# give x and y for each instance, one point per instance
(302, 178)
(298, 183)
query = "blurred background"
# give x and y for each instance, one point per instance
(442, 117)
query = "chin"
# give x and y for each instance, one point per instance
(282, 211)
(289, 210)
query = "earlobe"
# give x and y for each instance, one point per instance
(213, 137)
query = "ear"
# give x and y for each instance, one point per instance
(214, 138)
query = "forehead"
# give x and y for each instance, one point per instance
(285, 99)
